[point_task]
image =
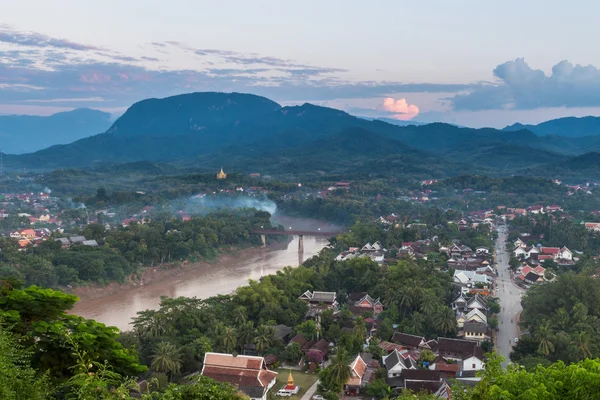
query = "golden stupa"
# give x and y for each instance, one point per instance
(290, 383)
(221, 174)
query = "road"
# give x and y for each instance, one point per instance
(510, 298)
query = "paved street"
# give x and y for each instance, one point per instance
(510, 298)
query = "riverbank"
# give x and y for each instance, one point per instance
(118, 304)
(148, 275)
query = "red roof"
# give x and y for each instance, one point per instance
(550, 250)
(539, 270)
(543, 257)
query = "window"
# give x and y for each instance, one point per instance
(473, 366)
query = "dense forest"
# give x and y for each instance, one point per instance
(562, 320)
(123, 251)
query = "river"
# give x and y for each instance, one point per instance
(205, 281)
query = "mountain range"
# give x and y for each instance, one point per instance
(28, 133)
(254, 134)
(568, 127)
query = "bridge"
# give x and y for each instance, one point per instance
(293, 232)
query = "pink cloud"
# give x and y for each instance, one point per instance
(400, 108)
(124, 77)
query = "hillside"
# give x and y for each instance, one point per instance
(252, 132)
(570, 127)
(353, 151)
(586, 166)
(27, 133)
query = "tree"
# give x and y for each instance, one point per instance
(445, 320)
(308, 329)
(264, 338)
(166, 358)
(246, 333)
(582, 345)
(292, 353)
(229, 339)
(427, 356)
(337, 374)
(543, 334)
(202, 388)
(18, 380)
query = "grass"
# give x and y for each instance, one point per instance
(302, 379)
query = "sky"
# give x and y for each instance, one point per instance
(470, 62)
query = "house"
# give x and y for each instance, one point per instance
(319, 299)
(519, 243)
(475, 330)
(64, 242)
(447, 371)
(409, 341)
(366, 304)
(536, 209)
(355, 382)
(460, 303)
(530, 275)
(371, 247)
(553, 208)
(249, 374)
(282, 333)
(91, 243)
(468, 352)
(469, 279)
(461, 318)
(565, 254)
(553, 251)
(398, 361)
(27, 234)
(424, 381)
(475, 315)
(77, 239)
(592, 226)
(477, 302)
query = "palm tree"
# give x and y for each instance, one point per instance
(229, 339)
(360, 329)
(445, 320)
(246, 333)
(428, 304)
(340, 368)
(544, 336)
(582, 345)
(416, 324)
(264, 337)
(240, 315)
(166, 358)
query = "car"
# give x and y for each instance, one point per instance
(516, 340)
(284, 393)
(318, 397)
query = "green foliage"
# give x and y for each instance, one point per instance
(558, 381)
(18, 380)
(39, 315)
(563, 318)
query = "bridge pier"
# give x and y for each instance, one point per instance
(263, 239)
(300, 243)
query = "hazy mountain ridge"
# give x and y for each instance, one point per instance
(570, 127)
(249, 132)
(27, 133)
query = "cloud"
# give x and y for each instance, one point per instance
(33, 39)
(400, 108)
(34, 67)
(519, 87)
(67, 100)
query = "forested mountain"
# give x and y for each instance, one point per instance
(27, 133)
(249, 133)
(567, 127)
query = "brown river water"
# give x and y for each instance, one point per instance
(206, 280)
